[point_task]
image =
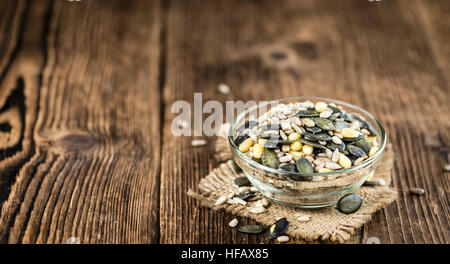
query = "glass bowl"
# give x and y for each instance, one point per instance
(308, 190)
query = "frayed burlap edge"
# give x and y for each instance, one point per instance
(325, 224)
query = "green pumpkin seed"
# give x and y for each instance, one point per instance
(279, 228)
(304, 166)
(371, 183)
(341, 125)
(307, 113)
(323, 123)
(312, 143)
(371, 129)
(245, 196)
(335, 109)
(257, 160)
(251, 229)
(290, 167)
(349, 203)
(317, 137)
(364, 145)
(334, 146)
(270, 159)
(314, 130)
(355, 151)
(242, 181)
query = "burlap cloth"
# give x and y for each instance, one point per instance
(325, 224)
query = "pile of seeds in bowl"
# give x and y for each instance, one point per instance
(306, 137)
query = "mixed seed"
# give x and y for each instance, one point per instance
(308, 138)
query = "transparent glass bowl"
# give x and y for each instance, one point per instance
(310, 190)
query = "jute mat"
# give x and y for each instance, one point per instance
(325, 224)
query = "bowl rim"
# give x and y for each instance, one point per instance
(307, 176)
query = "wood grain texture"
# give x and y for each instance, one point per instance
(86, 91)
(84, 77)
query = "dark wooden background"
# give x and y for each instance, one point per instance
(86, 90)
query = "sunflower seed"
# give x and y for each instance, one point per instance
(325, 114)
(198, 142)
(239, 201)
(233, 223)
(308, 122)
(257, 210)
(336, 140)
(296, 121)
(417, 191)
(223, 88)
(335, 155)
(304, 218)
(285, 158)
(447, 167)
(332, 166)
(359, 160)
(221, 200)
(243, 189)
(251, 229)
(283, 239)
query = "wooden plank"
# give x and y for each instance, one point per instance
(84, 76)
(369, 54)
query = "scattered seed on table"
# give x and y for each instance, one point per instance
(371, 183)
(242, 181)
(349, 203)
(417, 191)
(304, 218)
(198, 142)
(251, 229)
(233, 223)
(382, 182)
(221, 200)
(257, 210)
(278, 228)
(283, 239)
(447, 167)
(240, 201)
(243, 189)
(223, 88)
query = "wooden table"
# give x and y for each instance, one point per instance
(86, 90)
